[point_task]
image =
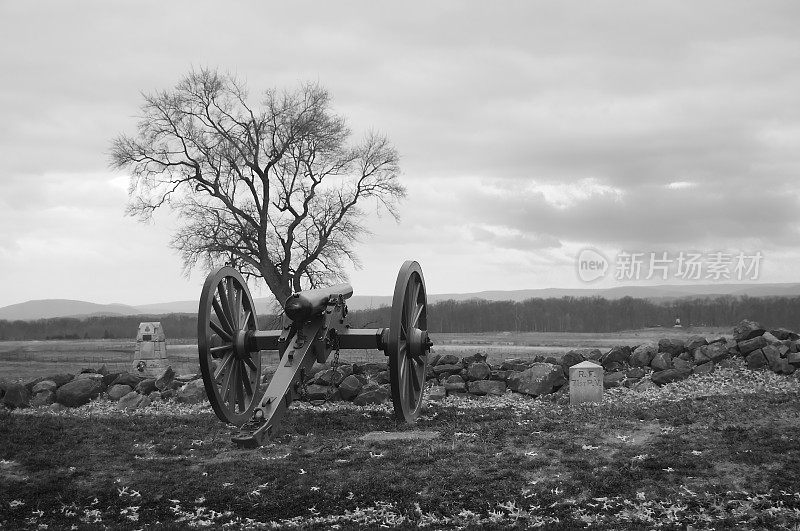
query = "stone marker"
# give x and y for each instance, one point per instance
(585, 383)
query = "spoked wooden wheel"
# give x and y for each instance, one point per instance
(408, 342)
(231, 373)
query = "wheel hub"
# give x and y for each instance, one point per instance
(418, 342)
(240, 345)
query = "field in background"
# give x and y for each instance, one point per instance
(27, 360)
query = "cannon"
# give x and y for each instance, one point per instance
(314, 325)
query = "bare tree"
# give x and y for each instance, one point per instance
(277, 188)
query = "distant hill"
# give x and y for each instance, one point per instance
(42, 309)
(46, 308)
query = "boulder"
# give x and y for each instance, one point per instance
(770, 339)
(671, 346)
(478, 371)
(704, 368)
(117, 391)
(436, 393)
(60, 379)
(192, 392)
(145, 387)
(685, 356)
(448, 359)
(793, 358)
(165, 378)
(487, 387)
(43, 398)
(747, 330)
(376, 396)
(693, 342)
(455, 387)
(447, 369)
(700, 356)
(573, 357)
(330, 377)
(88, 370)
(756, 360)
(318, 392)
(679, 363)
(478, 357)
(128, 379)
(429, 374)
(713, 351)
(635, 373)
(155, 396)
(773, 357)
(79, 391)
(551, 360)
(670, 375)
(350, 387)
(16, 396)
(109, 378)
(373, 368)
(540, 379)
(661, 362)
(643, 355)
(44, 385)
(89, 376)
(130, 401)
(590, 354)
(515, 365)
(613, 379)
(383, 377)
(749, 345)
(433, 359)
(182, 378)
(102, 370)
(499, 375)
(784, 334)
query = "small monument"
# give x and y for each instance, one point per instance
(150, 356)
(677, 323)
(585, 383)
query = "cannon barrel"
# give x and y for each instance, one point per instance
(306, 304)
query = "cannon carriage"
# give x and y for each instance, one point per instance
(315, 325)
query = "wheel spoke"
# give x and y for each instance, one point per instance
(239, 385)
(225, 304)
(416, 315)
(250, 363)
(229, 292)
(223, 319)
(248, 387)
(237, 307)
(247, 315)
(226, 383)
(415, 376)
(225, 336)
(225, 362)
(218, 350)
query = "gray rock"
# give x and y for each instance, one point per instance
(478, 371)
(165, 378)
(145, 387)
(515, 365)
(784, 334)
(773, 357)
(747, 330)
(318, 392)
(109, 378)
(694, 342)
(771, 340)
(43, 398)
(478, 357)
(670, 375)
(433, 359)
(487, 387)
(635, 373)
(672, 346)
(350, 387)
(61, 379)
(715, 351)
(573, 357)
(679, 363)
(383, 377)
(540, 379)
(90, 376)
(44, 385)
(661, 362)
(499, 375)
(700, 356)
(643, 355)
(128, 379)
(704, 368)
(330, 376)
(793, 358)
(182, 378)
(455, 387)
(377, 396)
(429, 374)
(448, 359)
(192, 392)
(16, 396)
(436, 393)
(130, 401)
(155, 396)
(117, 391)
(613, 379)
(756, 360)
(373, 368)
(79, 391)
(454, 378)
(447, 369)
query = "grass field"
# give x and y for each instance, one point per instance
(26, 360)
(719, 451)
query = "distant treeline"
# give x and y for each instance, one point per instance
(567, 314)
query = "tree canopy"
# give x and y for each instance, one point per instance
(277, 188)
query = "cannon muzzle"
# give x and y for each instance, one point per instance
(306, 304)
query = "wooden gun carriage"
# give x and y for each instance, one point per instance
(230, 345)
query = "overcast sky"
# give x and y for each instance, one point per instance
(528, 131)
